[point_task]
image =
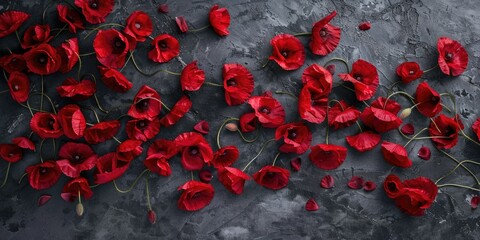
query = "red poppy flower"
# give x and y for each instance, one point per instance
(393, 186)
(325, 37)
(19, 86)
(43, 175)
(311, 205)
(272, 177)
(369, 186)
(24, 143)
(114, 79)
(72, 120)
(248, 122)
(476, 128)
(10, 21)
(424, 153)
(13, 63)
(327, 156)
(162, 148)
(238, 83)
(195, 196)
(36, 35)
(233, 179)
(202, 127)
(364, 26)
(341, 115)
(428, 100)
(287, 51)
(143, 129)
(268, 110)
(95, 11)
(445, 130)
(312, 102)
(77, 91)
(195, 149)
(46, 125)
(70, 17)
(182, 24)
(43, 59)
(109, 168)
(296, 163)
(111, 48)
(452, 58)
(205, 176)
(139, 26)
(327, 182)
(129, 150)
(158, 165)
(364, 141)
(396, 155)
(382, 116)
(178, 111)
(296, 137)
(192, 78)
(355, 182)
(364, 77)
(69, 53)
(408, 129)
(11, 152)
(166, 47)
(225, 156)
(101, 132)
(75, 188)
(220, 20)
(317, 73)
(146, 104)
(409, 71)
(75, 158)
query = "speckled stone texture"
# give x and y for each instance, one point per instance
(401, 29)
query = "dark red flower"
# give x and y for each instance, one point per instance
(408, 129)
(163, 8)
(36, 35)
(424, 153)
(341, 115)
(43, 59)
(10, 21)
(129, 150)
(364, 141)
(248, 122)
(474, 202)
(396, 155)
(311, 205)
(13, 63)
(369, 186)
(195, 150)
(355, 182)
(182, 24)
(268, 110)
(327, 182)
(445, 131)
(158, 165)
(428, 100)
(452, 58)
(46, 125)
(24, 143)
(70, 17)
(166, 47)
(139, 27)
(101, 132)
(220, 20)
(409, 71)
(69, 53)
(162, 148)
(72, 120)
(143, 129)
(225, 156)
(364, 26)
(238, 83)
(233, 179)
(476, 128)
(205, 176)
(272, 177)
(364, 77)
(177, 112)
(392, 186)
(114, 79)
(195, 196)
(19, 86)
(327, 156)
(296, 163)
(287, 51)
(312, 103)
(75, 158)
(202, 127)
(43, 175)
(296, 137)
(75, 188)
(11, 152)
(95, 11)
(192, 77)
(381, 115)
(111, 48)
(146, 104)
(77, 91)
(325, 37)
(109, 168)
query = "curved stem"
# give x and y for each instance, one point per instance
(79, 65)
(275, 159)
(6, 175)
(445, 106)
(302, 34)
(45, 12)
(133, 184)
(458, 186)
(49, 99)
(101, 26)
(41, 149)
(148, 192)
(150, 74)
(87, 54)
(414, 137)
(116, 139)
(199, 29)
(61, 30)
(42, 87)
(258, 154)
(221, 128)
(326, 127)
(249, 140)
(430, 69)
(21, 178)
(464, 167)
(340, 60)
(4, 91)
(18, 37)
(399, 92)
(213, 84)
(265, 64)
(191, 175)
(453, 170)
(94, 113)
(287, 93)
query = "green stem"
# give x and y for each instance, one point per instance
(258, 154)
(414, 137)
(6, 175)
(21, 178)
(133, 184)
(453, 170)
(464, 167)
(340, 60)
(61, 30)
(5, 91)
(199, 29)
(430, 69)
(87, 54)
(18, 37)
(41, 149)
(116, 139)
(42, 86)
(148, 192)
(302, 34)
(265, 64)
(49, 99)
(287, 93)
(249, 140)
(150, 74)
(101, 26)
(221, 128)
(458, 186)
(213, 84)
(275, 159)
(191, 175)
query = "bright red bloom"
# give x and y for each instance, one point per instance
(43, 175)
(364, 77)
(182, 24)
(238, 83)
(101, 132)
(162, 148)
(11, 152)
(268, 110)
(75, 158)
(408, 129)
(13, 63)
(192, 77)
(19, 86)
(220, 20)
(327, 156)
(327, 182)
(396, 155)
(341, 115)
(195, 149)
(177, 112)
(296, 137)
(146, 104)
(75, 188)
(317, 73)
(95, 11)
(72, 120)
(143, 129)
(428, 100)
(364, 26)
(312, 103)
(452, 58)
(272, 177)
(70, 17)
(392, 186)
(43, 59)
(233, 179)
(139, 27)
(111, 48)
(195, 196)
(248, 122)
(69, 53)
(36, 35)
(296, 163)
(287, 51)
(382, 116)
(311, 205)
(409, 71)
(325, 37)
(166, 47)
(129, 150)
(114, 79)
(77, 91)
(446, 129)
(424, 153)
(24, 143)
(364, 141)
(355, 182)
(476, 128)
(46, 125)
(202, 127)
(109, 168)
(369, 186)
(158, 165)
(10, 21)
(225, 156)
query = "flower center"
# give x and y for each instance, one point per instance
(284, 53)
(42, 59)
(163, 45)
(143, 105)
(449, 131)
(43, 170)
(50, 123)
(118, 45)
(141, 124)
(77, 157)
(70, 18)
(93, 4)
(232, 82)
(16, 87)
(196, 195)
(292, 134)
(435, 99)
(14, 60)
(270, 175)
(449, 57)
(193, 150)
(392, 187)
(323, 32)
(265, 110)
(10, 154)
(411, 72)
(358, 77)
(138, 25)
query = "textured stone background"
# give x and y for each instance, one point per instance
(399, 28)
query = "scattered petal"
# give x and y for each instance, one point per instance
(355, 182)
(475, 201)
(369, 186)
(311, 205)
(152, 217)
(182, 24)
(205, 176)
(408, 129)
(202, 127)
(163, 8)
(424, 153)
(296, 163)
(364, 26)
(42, 200)
(327, 182)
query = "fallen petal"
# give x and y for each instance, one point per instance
(311, 205)
(424, 153)
(475, 201)
(408, 129)
(355, 182)
(42, 200)
(327, 182)
(369, 186)
(205, 176)
(296, 163)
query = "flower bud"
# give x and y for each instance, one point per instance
(405, 113)
(152, 216)
(79, 209)
(232, 127)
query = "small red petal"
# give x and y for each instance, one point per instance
(355, 182)
(163, 8)
(475, 201)
(152, 217)
(205, 176)
(202, 127)
(424, 153)
(311, 205)
(331, 68)
(42, 200)
(369, 186)
(327, 182)
(296, 163)
(408, 129)
(364, 26)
